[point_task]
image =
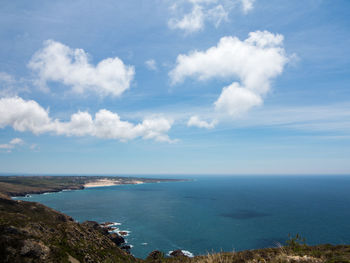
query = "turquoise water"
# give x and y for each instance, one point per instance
(214, 214)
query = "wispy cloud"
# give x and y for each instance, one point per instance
(204, 11)
(197, 122)
(151, 64)
(247, 5)
(329, 119)
(12, 144)
(10, 86)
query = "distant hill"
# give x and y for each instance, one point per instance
(22, 185)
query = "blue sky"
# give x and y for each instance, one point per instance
(175, 87)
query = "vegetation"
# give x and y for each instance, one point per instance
(31, 232)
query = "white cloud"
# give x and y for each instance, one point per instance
(247, 5)
(217, 15)
(235, 100)
(197, 122)
(12, 144)
(202, 11)
(28, 115)
(59, 63)
(9, 86)
(254, 62)
(331, 119)
(151, 64)
(16, 141)
(191, 22)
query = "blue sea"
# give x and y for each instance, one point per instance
(216, 213)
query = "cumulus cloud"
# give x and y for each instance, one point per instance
(151, 64)
(254, 62)
(202, 11)
(12, 144)
(197, 122)
(28, 115)
(57, 62)
(236, 100)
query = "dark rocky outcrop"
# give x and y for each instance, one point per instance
(177, 253)
(117, 239)
(155, 255)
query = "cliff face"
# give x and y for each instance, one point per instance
(31, 232)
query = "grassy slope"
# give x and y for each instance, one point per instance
(31, 232)
(316, 254)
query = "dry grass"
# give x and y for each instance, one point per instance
(215, 258)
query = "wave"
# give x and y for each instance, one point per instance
(185, 252)
(115, 224)
(124, 233)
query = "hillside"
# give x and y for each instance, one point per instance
(31, 232)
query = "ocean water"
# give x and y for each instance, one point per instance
(217, 213)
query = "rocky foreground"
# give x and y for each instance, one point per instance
(31, 232)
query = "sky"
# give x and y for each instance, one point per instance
(219, 87)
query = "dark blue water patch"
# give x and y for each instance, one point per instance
(218, 213)
(244, 214)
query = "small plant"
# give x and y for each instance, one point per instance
(296, 243)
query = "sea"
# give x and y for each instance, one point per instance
(216, 213)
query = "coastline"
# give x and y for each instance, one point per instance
(17, 186)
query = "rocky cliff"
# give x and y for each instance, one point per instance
(31, 232)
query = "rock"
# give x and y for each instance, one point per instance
(154, 255)
(96, 226)
(92, 224)
(62, 218)
(11, 230)
(123, 233)
(177, 253)
(34, 249)
(118, 240)
(126, 248)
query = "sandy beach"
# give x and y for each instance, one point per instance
(101, 183)
(109, 182)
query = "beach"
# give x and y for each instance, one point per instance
(109, 182)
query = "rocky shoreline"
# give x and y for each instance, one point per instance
(107, 230)
(33, 192)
